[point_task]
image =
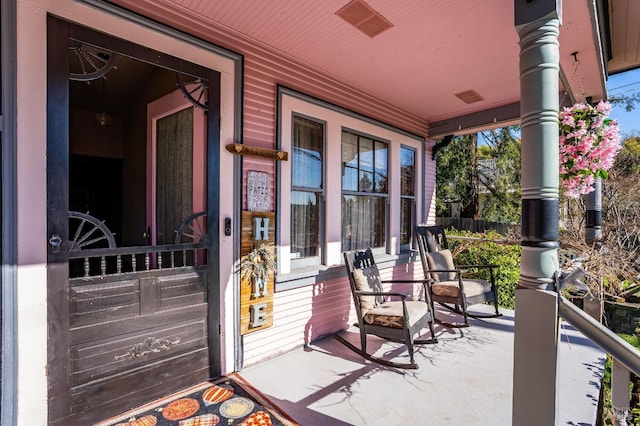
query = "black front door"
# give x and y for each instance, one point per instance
(131, 318)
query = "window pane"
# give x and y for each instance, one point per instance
(366, 160)
(363, 222)
(306, 164)
(304, 224)
(407, 171)
(406, 223)
(349, 162)
(381, 175)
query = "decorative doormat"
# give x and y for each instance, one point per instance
(229, 400)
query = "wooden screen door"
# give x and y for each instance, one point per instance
(128, 322)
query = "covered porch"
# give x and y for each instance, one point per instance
(464, 379)
(419, 73)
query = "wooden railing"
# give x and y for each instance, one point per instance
(107, 261)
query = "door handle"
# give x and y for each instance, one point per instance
(147, 235)
(55, 242)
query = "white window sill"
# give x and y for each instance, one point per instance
(302, 277)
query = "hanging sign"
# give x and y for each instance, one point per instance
(258, 191)
(256, 296)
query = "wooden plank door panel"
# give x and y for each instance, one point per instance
(103, 358)
(100, 399)
(128, 325)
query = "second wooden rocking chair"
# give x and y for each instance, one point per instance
(449, 287)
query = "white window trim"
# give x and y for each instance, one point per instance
(336, 119)
(318, 260)
(416, 185)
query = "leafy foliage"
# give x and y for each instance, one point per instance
(607, 412)
(628, 159)
(454, 178)
(503, 201)
(505, 253)
(628, 101)
(484, 179)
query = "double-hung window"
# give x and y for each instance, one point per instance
(365, 191)
(351, 183)
(307, 171)
(407, 194)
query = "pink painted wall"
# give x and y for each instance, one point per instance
(313, 311)
(264, 68)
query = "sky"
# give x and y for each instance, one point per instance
(625, 84)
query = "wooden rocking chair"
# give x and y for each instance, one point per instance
(395, 320)
(449, 288)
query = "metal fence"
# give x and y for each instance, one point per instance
(467, 224)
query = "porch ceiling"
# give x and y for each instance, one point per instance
(432, 51)
(625, 35)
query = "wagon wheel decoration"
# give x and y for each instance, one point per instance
(90, 63)
(88, 232)
(195, 90)
(193, 229)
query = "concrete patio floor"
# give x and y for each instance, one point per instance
(464, 379)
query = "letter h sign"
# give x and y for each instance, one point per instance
(261, 228)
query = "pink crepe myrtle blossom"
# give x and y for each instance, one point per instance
(589, 143)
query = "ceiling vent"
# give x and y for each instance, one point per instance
(469, 96)
(363, 17)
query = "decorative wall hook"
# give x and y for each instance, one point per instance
(241, 149)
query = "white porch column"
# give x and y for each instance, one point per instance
(536, 323)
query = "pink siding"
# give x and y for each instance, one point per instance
(264, 68)
(429, 186)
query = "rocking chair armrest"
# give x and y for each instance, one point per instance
(478, 266)
(426, 280)
(380, 293)
(457, 270)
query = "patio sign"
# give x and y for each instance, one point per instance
(256, 297)
(258, 191)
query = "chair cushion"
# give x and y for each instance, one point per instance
(442, 259)
(451, 288)
(367, 279)
(389, 314)
(446, 288)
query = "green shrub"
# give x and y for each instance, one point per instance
(607, 413)
(506, 256)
